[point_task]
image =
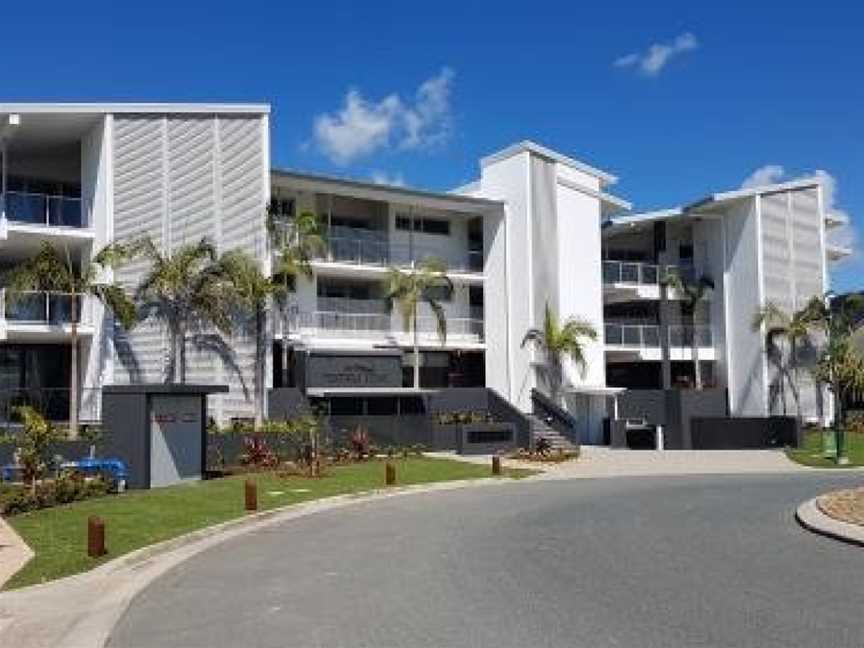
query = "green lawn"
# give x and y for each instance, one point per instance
(811, 453)
(139, 518)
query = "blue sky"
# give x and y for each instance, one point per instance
(726, 89)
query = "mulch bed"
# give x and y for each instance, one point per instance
(844, 505)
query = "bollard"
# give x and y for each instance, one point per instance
(389, 474)
(496, 465)
(95, 537)
(251, 496)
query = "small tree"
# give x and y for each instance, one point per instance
(181, 289)
(559, 341)
(840, 365)
(53, 271)
(36, 440)
(297, 241)
(692, 295)
(406, 289)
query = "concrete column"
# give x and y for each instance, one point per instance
(660, 437)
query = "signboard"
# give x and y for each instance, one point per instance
(359, 371)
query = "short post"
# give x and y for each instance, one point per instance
(660, 440)
(496, 465)
(389, 474)
(251, 491)
(96, 537)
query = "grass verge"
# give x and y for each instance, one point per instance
(811, 453)
(140, 518)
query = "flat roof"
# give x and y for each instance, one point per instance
(539, 149)
(375, 187)
(738, 194)
(644, 217)
(133, 107)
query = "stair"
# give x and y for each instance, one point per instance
(541, 430)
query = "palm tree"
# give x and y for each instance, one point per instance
(55, 272)
(561, 341)
(405, 290)
(841, 364)
(692, 295)
(795, 328)
(250, 291)
(297, 241)
(181, 288)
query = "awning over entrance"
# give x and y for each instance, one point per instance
(594, 390)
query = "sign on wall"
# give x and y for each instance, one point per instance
(359, 371)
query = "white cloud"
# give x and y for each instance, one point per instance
(765, 175)
(384, 178)
(844, 235)
(362, 127)
(654, 59)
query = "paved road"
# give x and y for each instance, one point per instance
(635, 562)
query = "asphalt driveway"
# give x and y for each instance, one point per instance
(654, 561)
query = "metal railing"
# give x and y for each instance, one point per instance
(363, 251)
(43, 209)
(631, 272)
(637, 273)
(349, 305)
(683, 336)
(648, 335)
(41, 307)
(330, 323)
(632, 335)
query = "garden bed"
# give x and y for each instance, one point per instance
(844, 505)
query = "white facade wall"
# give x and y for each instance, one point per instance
(745, 356)
(176, 179)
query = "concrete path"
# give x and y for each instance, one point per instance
(648, 562)
(14, 554)
(596, 461)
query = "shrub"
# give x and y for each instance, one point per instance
(542, 446)
(34, 444)
(359, 442)
(68, 488)
(257, 453)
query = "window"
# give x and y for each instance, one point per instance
(346, 406)
(383, 406)
(283, 207)
(437, 226)
(403, 223)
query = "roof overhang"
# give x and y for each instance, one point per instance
(537, 149)
(385, 193)
(130, 107)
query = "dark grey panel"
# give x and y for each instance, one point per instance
(355, 370)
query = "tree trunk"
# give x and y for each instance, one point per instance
(73, 371)
(796, 392)
(260, 363)
(416, 351)
(181, 354)
(171, 368)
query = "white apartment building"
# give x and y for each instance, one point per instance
(536, 228)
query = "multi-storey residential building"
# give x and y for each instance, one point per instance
(536, 228)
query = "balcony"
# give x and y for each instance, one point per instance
(631, 273)
(632, 280)
(43, 314)
(642, 341)
(43, 209)
(386, 328)
(382, 253)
